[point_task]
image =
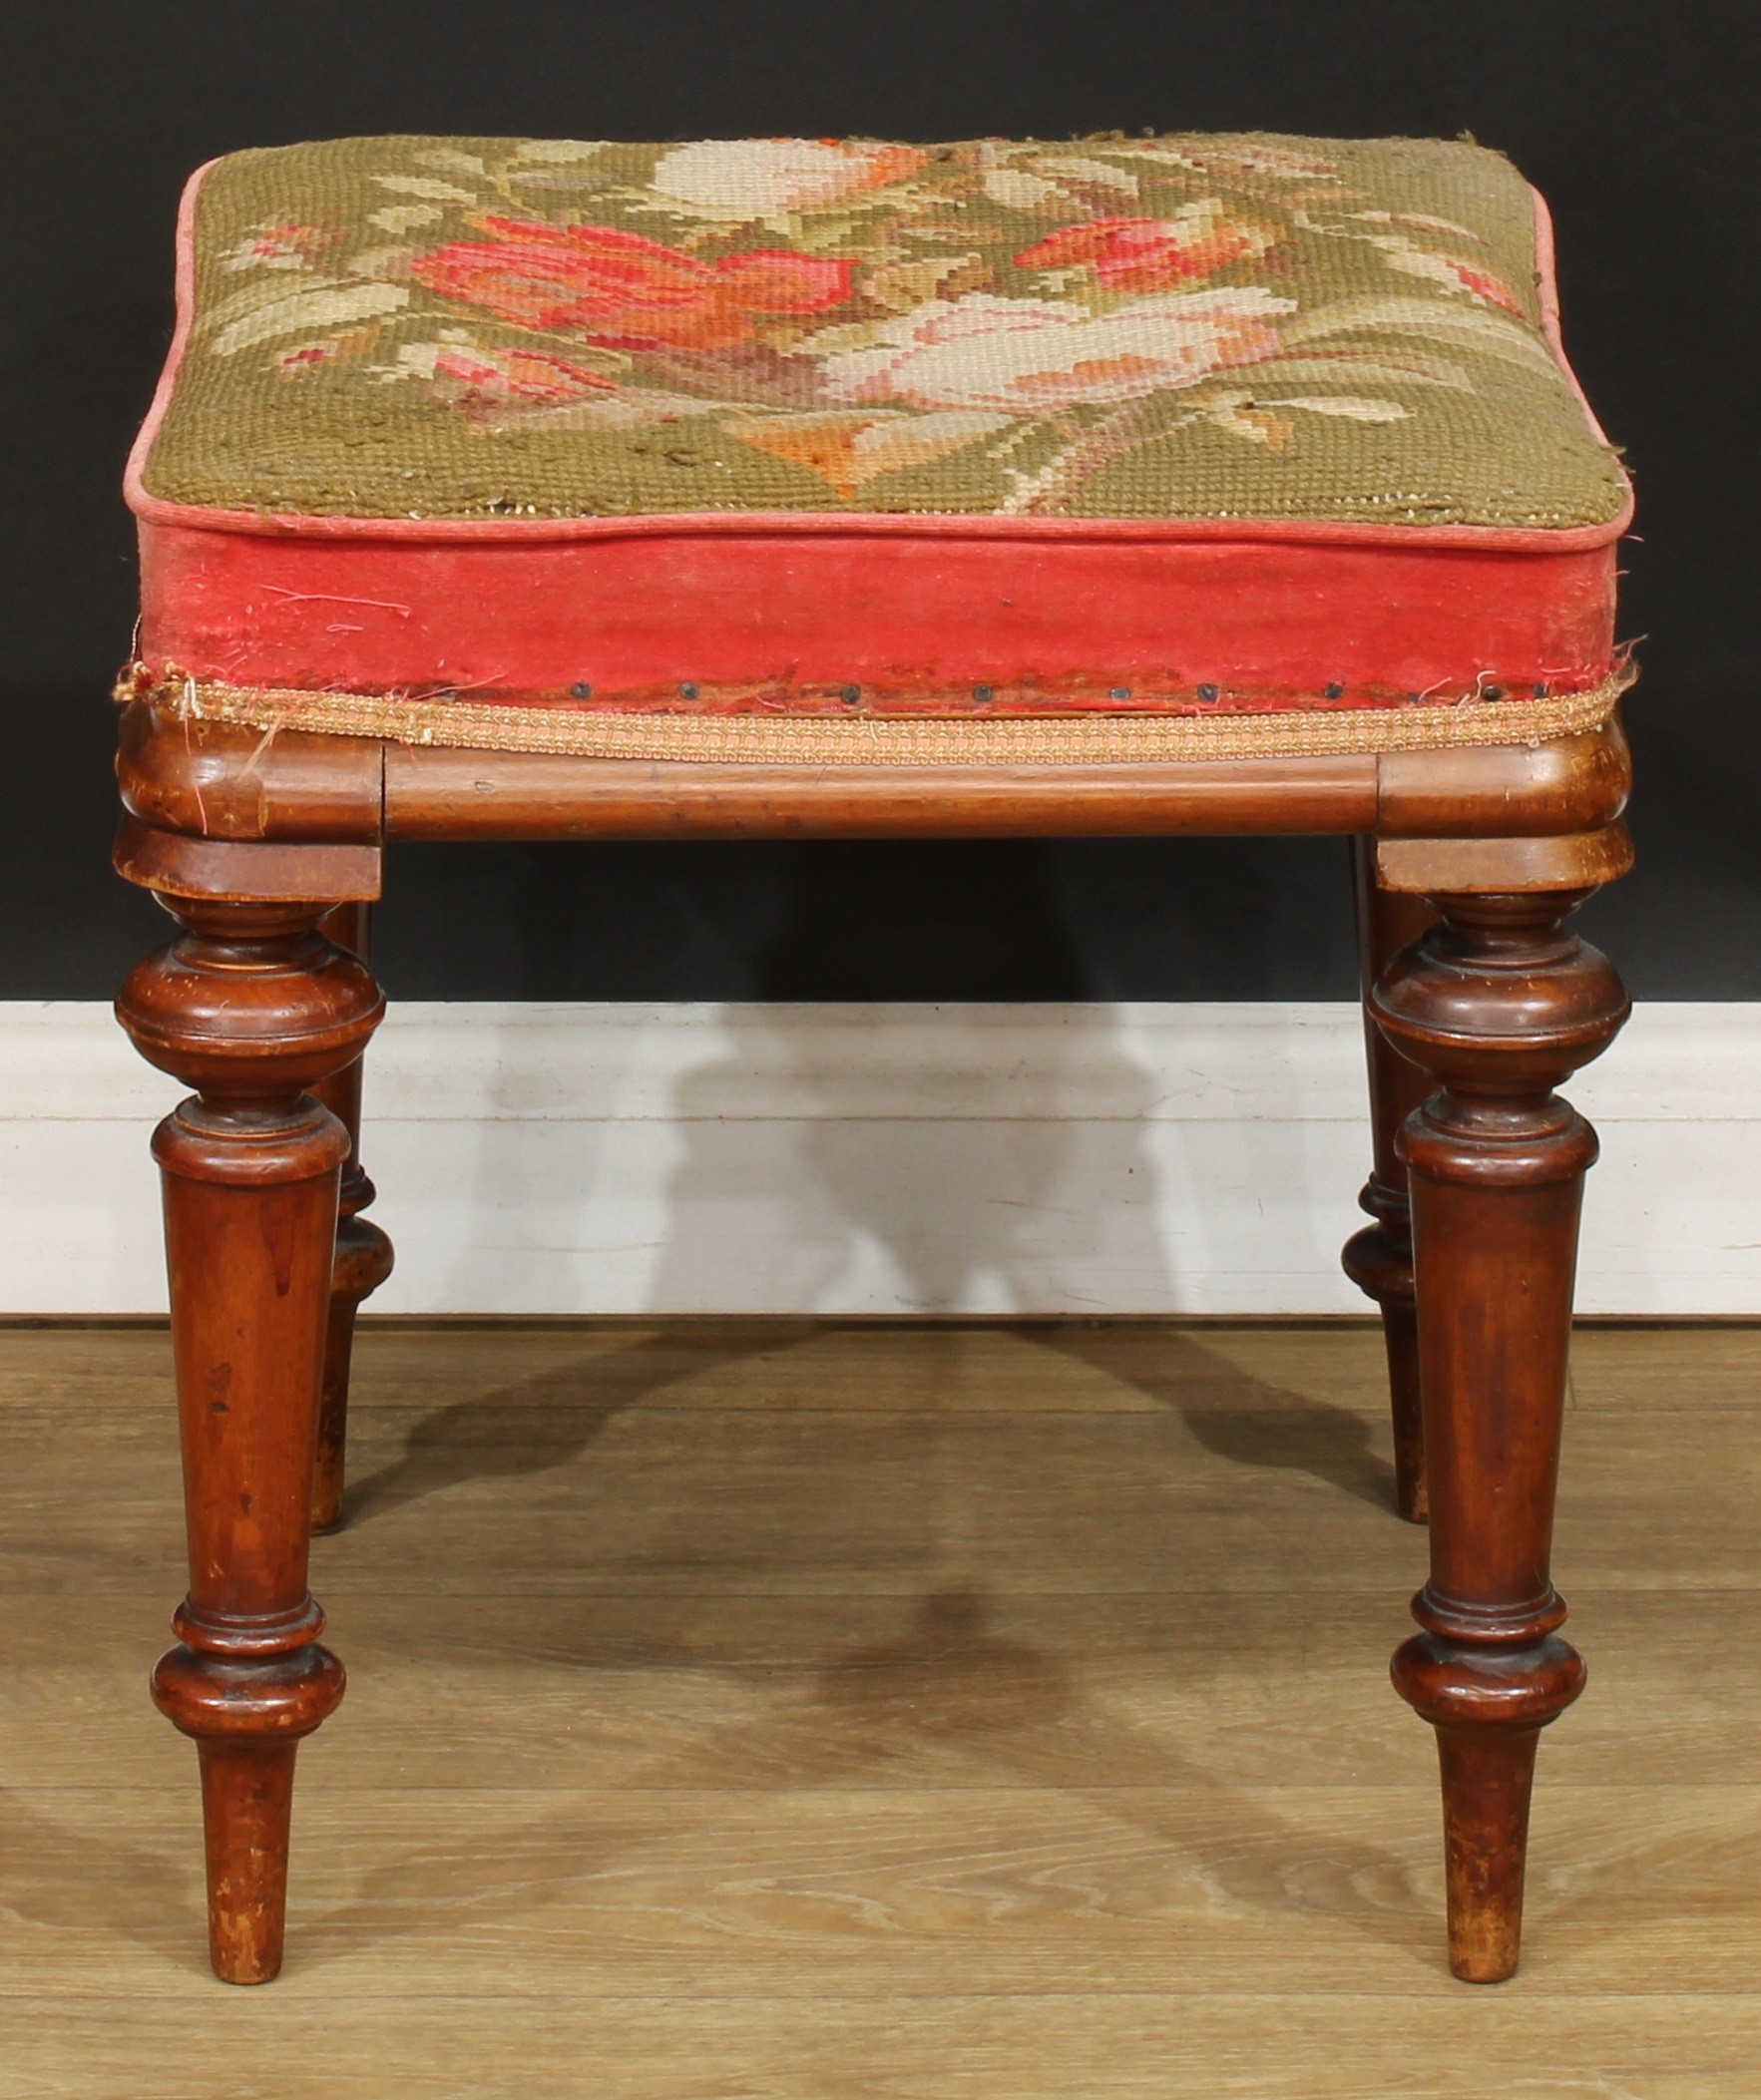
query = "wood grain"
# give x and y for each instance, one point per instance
(771, 1708)
(1379, 1258)
(1500, 1004)
(213, 779)
(251, 1005)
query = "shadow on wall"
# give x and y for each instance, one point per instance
(954, 1160)
(863, 1201)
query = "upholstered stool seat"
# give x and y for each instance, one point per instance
(516, 488)
(1208, 446)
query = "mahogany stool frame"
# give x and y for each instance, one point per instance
(1479, 1001)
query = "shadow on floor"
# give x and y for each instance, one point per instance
(91, 1873)
(951, 1688)
(1091, 1865)
(536, 1424)
(1242, 1418)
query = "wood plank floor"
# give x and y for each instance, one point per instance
(882, 1713)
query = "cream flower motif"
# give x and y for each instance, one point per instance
(1029, 356)
(740, 180)
(1246, 157)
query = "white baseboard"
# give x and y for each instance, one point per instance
(553, 1158)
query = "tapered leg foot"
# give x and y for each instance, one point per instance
(364, 1254)
(1488, 1708)
(363, 1261)
(1379, 1259)
(1400, 1341)
(248, 1714)
(251, 1007)
(1488, 1778)
(1502, 1003)
(1380, 1262)
(247, 1818)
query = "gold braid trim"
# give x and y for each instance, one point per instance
(1098, 739)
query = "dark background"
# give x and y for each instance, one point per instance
(1636, 120)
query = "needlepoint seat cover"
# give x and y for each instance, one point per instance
(855, 449)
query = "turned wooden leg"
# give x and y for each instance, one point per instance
(1379, 1259)
(363, 1253)
(251, 1006)
(1502, 1003)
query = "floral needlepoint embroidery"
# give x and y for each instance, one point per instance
(1023, 354)
(1153, 255)
(848, 450)
(283, 246)
(1233, 326)
(303, 356)
(625, 291)
(1250, 157)
(742, 180)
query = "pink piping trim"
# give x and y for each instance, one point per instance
(1492, 539)
(1548, 289)
(134, 491)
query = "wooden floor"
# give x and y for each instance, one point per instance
(882, 1714)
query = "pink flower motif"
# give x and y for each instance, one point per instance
(1447, 270)
(625, 290)
(287, 245)
(305, 356)
(1484, 286)
(1150, 254)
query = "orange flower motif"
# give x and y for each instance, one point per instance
(625, 291)
(1150, 254)
(529, 377)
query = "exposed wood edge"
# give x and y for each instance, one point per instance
(221, 782)
(434, 793)
(173, 865)
(218, 780)
(1505, 866)
(1573, 783)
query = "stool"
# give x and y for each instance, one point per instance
(517, 489)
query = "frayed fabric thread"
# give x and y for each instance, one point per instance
(770, 740)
